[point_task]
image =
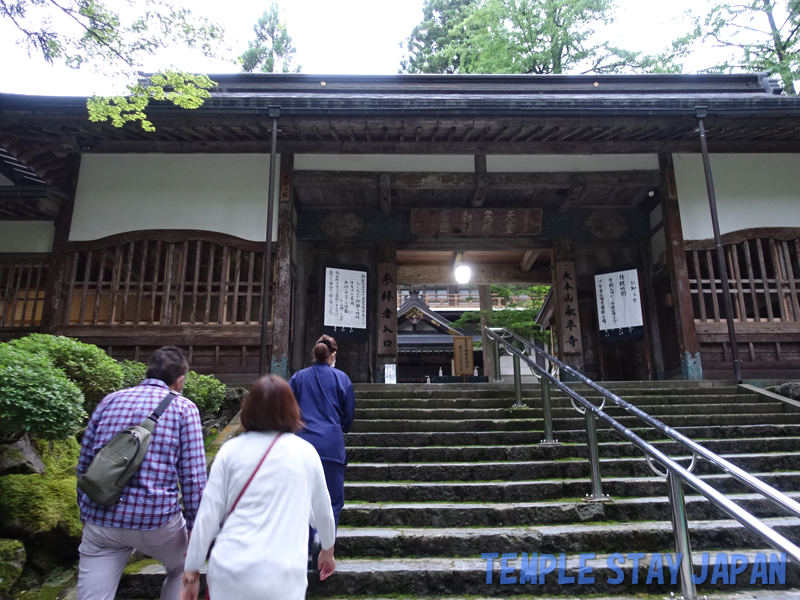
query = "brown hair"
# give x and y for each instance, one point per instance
(324, 347)
(167, 364)
(271, 406)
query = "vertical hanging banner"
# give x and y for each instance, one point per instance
(344, 308)
(387, 308)
(463, 356)
(619, 306)
(568, 319)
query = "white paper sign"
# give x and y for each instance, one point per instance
(390, 373)
(619, 303)
(345, 298)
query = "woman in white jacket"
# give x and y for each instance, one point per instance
(265, 488)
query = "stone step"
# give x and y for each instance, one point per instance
(436, 576)
(543, 489)
(539, 452)
(656, 410)
(647, 536)
(624, 510)
(522, 424)
(566, 469)
(578, 436)
(556, 401)
(441, 578)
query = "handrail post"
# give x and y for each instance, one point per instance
(496, 365)
(594, 460)
(680, 530)
(548, 417)
(517, 382)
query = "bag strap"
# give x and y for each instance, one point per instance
(246, 485)
(156, 415)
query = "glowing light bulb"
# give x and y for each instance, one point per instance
(463, 273)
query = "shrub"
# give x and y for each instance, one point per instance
(94, 372)
(36, 397)
(206, 391)
(133, 373)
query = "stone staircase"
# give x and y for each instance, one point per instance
(439, 475)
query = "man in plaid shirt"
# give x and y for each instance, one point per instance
(148, 517)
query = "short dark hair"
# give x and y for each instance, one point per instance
(271, 406)
(167, 364)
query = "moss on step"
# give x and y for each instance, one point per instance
(135, 567)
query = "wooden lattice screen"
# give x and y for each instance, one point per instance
(22, 288)
(763, 275)
(165, 283)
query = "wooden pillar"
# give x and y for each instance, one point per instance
(691, 367)
(386, 310)
(282, 324)
(485, 296)
(568, 322)
(53, 311)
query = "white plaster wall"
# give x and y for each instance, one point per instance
(26, 236)
(753, 190)
(532, 163)
(226, 193)
(5, 180)
(388, 163)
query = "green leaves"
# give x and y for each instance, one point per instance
(206, 391)
(272, 51)
(89, 33)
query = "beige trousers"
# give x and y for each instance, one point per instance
(105, 551)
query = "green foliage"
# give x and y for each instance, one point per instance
(33, 504)
(60, 457)
(36, 397)
(272, 51)
(89, 367)
(89, 33)
(12, 560)
(759, 35)
(518, 36)
(206, 391)
(522, 305)
(133, 373)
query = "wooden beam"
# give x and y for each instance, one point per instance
(481, 275)
(386, 193)
(575, 195)
(527, 261)
(481, 181)
(281, 340)
(157, 335)
(679, 272)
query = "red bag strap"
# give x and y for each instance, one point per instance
(246, 485)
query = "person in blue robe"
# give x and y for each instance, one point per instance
(327, 403)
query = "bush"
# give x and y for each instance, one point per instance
(36, 397)
(206, 391)
(94, 372)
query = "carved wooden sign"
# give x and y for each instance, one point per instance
(567, 306)
(463, 357)
(387, 308)
(434, 222)
(671, 184)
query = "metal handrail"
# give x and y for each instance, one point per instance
(676, 473)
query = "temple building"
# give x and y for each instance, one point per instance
(593, 184)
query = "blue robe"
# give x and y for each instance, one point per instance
(327, 403)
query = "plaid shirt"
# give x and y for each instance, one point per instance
(176, 454)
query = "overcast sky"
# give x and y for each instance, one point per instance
(331, 36)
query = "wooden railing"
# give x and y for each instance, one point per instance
(455, 301)
(207, 280)
(763, 275)
(22, 287)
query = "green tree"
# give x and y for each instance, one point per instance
(759, 35)
(92, 34)
(427, 46)
(520, 36)
(272, 51)
(522, 304)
